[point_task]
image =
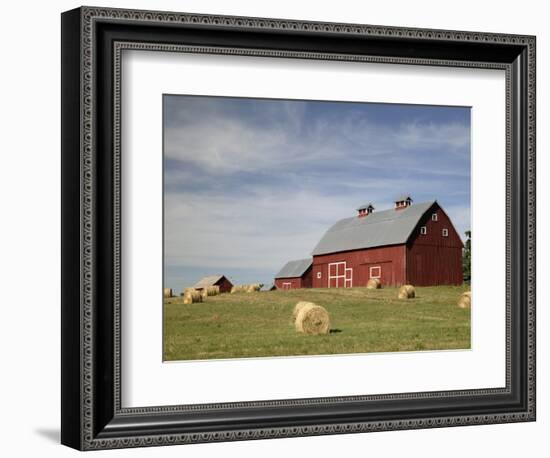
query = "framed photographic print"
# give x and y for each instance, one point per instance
(278, 228)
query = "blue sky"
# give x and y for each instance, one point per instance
(252, 183)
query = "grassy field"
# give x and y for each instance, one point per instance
(260, 324)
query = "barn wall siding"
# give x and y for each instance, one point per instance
(391, 260)
(434, 265)
(295, 282)
(306, 278)
(433, 259)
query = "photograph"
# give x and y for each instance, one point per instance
(314, 227)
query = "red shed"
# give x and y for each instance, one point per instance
(294, 274)
(215, 280)
(414, 244)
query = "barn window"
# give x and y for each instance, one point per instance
(287, 285)
(375, 272)
(445, 232)
(434, 216)
(318, 274)
(423, 230)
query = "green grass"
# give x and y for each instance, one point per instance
(362, 321)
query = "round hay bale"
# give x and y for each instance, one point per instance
(406, 292)
(187, 290)
(465, 300)
(299, 307)
(236, 289)
(191, 297)
(210, 291)
(374, 283)
(312, 319)
(168, 292)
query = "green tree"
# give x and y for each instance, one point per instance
(467, 258)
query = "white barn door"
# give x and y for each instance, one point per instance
(339, 275)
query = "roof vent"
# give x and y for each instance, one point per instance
(365, 210)
(403, 201)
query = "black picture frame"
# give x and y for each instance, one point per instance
(92, 416)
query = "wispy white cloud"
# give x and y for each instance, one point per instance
(222, 145)
(259, 231)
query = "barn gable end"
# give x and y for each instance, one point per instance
(434, 251)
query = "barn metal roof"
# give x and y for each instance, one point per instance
(208, 281)
(294, 269)
(387, 227)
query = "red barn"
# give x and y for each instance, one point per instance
(294, 274)
(214, 280)
(414, 244)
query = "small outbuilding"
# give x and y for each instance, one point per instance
(214, 280)
(294, 274)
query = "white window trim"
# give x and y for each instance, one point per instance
(434, 216)
(445, 232)
(423, 230)
(379, 272)
(318, 275)
(287, 285)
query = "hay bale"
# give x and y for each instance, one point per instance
(312, 319)
(168, 292)
(406, 292)
(210, 291)
(299, 307)
(190, 297)
(465, 300)
(187, 290)
(374, 283)
(245, 288)
(214, 290)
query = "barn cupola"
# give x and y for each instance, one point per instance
(365, 210)
(403, 201)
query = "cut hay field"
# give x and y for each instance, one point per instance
(260, 324)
